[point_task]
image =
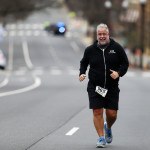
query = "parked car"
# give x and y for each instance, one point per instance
(2, 60)
(58, 28)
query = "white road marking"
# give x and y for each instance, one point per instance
(29, 33)
(37, 83)
(38, 72)
(35, 26)
(22, 68)
(36, 33)
(130, 74)
(146, 74)
(55, 72)
(72, 131)
(75, 46)
(12, 33)
(24, 26)
(5, 33)
(4, 82)
(73, 72)
(142, 74)
(20, 72)
(20, 26)
(13, 26)
(10, 55)
(26, 55)
(20, 33)
(27, 26)
(55, 57)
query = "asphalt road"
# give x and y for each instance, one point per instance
(43, 106)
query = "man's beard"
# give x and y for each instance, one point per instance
(103, 42)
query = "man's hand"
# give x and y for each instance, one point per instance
(114, 74)
(82, 77)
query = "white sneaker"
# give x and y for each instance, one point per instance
(101, 143)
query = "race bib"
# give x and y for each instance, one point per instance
(101, 91)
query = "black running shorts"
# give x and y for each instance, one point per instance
(110, 101)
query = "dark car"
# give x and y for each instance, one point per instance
(58, 28)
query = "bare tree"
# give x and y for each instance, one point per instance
(94, 10)
(19, 9)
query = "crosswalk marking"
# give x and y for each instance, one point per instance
(20, 72)
(56, 72)
(24, 26)
(130, 74)
(13, 33)
(38, 72)
(68, 71)
(73, 72)
(35, 29)
(146, 74)
(24, 30)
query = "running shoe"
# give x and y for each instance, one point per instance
(108, 134)
(101, 143)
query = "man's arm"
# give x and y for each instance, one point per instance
(82, 77)
(124, 63)
(83, 65)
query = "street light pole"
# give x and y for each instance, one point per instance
(108, 6)
(142, 33)
(125, 5)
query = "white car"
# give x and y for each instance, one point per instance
(2, 60)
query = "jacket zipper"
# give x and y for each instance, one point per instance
(104, 66)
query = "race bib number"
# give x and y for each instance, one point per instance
(101, 91)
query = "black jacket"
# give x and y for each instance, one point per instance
(100, 62)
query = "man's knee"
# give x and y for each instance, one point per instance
(97, 112)
(111, 114)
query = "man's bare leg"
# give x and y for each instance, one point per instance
(98, 121)
(111, 116)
